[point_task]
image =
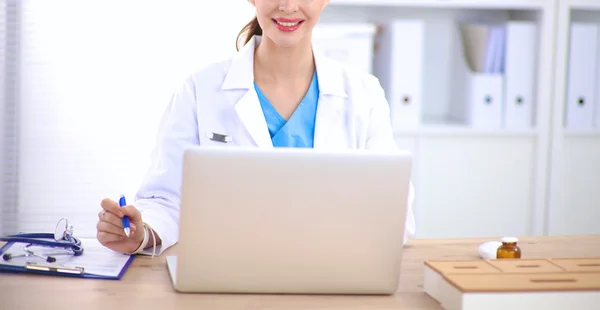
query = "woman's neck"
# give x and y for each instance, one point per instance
(283, 65)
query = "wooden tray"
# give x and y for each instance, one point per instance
(565, 283)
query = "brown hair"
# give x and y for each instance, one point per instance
(251, 29)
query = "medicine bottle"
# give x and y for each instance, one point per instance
(509, 248)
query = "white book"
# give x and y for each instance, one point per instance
(597, 88)
(485, 100)
(399, 66)
(581, 77)
(520, 68)
(478, 98)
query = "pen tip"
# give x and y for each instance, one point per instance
(127, 231)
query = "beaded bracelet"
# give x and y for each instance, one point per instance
(144, 242)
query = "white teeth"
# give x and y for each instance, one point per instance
(288, 24)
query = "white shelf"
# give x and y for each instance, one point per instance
(474, 4)
(582, 133)
(583, 4)
(459, 167)
(573, 204)
(463, 131)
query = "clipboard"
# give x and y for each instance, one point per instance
(84, 266)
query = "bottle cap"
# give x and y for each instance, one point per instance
(509, 240)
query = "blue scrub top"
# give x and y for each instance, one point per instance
(299, 130)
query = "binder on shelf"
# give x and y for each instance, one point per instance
(597, 86)
(520, 72)
(349, 43)
(478, 95)
(581, 78)
(398, 63)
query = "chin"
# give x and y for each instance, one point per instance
(287, 40)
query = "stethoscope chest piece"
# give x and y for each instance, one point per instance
(63, 231)
(64, 243)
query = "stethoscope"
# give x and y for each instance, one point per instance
(62, 238)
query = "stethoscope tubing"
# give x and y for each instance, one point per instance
(35, 239)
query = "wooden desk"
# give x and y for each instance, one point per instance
(147, 284)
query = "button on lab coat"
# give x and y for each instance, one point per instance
(352, 114)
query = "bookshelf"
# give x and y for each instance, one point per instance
(470, 181)
(436, 4)
(573, 196)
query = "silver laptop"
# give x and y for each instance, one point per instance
(289, 220)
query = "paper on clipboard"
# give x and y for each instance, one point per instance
(97, 261)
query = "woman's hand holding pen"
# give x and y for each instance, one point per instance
(110, 230)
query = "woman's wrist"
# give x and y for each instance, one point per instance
(144, 242)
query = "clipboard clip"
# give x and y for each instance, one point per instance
(54, 268)
(218, 137)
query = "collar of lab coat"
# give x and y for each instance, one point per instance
(241, 71)
(332, 95)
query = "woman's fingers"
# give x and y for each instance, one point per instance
(111, 206)
(105, 237)
(110, 232)
(107, 227)
(111, 223)
(111, 218)
(114, 214)
(134, 214)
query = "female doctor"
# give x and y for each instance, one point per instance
(276, 91)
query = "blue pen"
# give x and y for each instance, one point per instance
(123, 203)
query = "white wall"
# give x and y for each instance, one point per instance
(2, 105)
(97, 76)
(8, 124)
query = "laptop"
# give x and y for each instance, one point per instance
(291, 221)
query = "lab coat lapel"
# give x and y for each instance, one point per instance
(251, 114)
(240, 80)
(330, 131)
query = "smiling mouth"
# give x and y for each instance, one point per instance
(288, 24)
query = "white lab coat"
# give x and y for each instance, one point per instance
(352, 114)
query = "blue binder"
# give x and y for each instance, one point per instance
(38, 266)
